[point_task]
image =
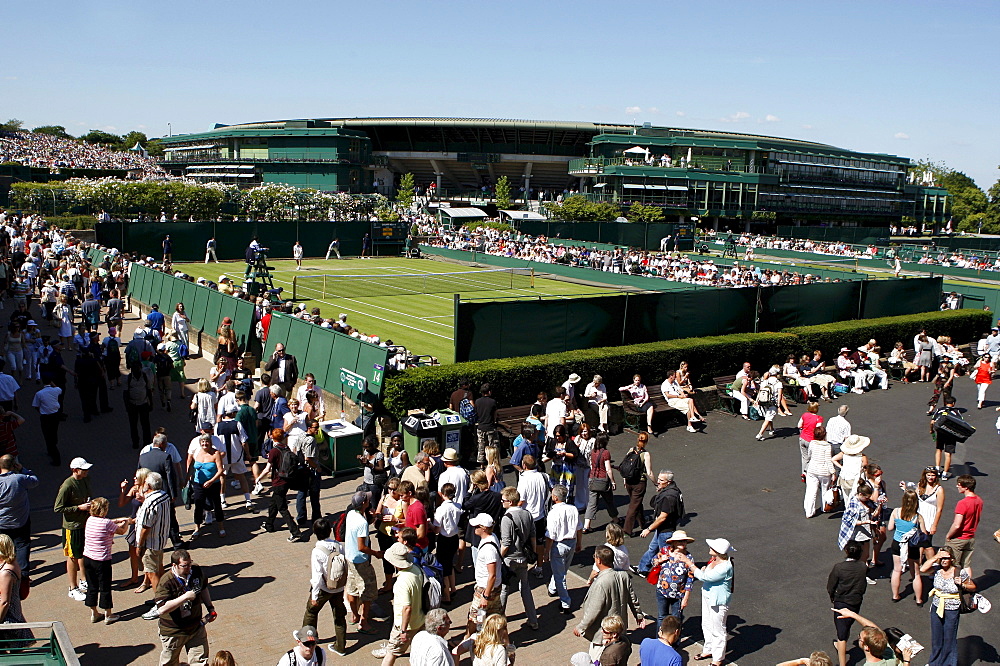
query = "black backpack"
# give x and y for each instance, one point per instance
(293, 469)
(631, 467)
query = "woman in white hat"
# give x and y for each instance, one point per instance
(673, 585)
(716, 589)
(850, 461)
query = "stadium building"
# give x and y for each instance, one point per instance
(690, 173)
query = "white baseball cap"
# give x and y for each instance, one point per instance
(79, 463)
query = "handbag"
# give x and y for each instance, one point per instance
(967, 598)
(919, 539)
(187, 492)
(653, 577)
(831, 498)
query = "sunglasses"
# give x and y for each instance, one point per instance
(308, 644)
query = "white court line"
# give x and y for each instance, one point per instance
(391, 321)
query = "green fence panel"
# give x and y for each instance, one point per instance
(810, 304)
(187, 297)
(885, 298)
(318, 359)
(682, 314)
(244, 324)
(372, 360)
(154, 286)
(277, 332)
(136, 276)
(199, 309)
(345, 355)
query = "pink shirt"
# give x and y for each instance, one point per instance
(98, 535)
(809, 423)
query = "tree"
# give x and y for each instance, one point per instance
(132, 138)
(53, 130)
(968, 202)
(154, 148)
(642, 213)
(12, 125)
(404, 195)
(503, 193)
(101, 137)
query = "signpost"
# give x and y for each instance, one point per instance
(353, 380)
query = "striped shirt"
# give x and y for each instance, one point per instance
(98, 535)
(155, 515)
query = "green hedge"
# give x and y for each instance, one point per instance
(516, 381)
(961, 325)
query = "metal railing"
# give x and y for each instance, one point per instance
(595, 165)
(283, 157)
(56, 648)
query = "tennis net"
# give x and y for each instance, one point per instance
(323, 287)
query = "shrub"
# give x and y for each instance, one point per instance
(516, 381)
(962, 325)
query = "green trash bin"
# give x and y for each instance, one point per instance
(451, 424)
(417, 427)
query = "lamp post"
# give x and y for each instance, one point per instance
(170, 129)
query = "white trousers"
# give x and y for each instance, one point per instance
(713, 626)
(981, 390)
(816, 486)
(744, 402)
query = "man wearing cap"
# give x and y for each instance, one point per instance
(407, 604)
(362, 587)
(73, 502)
(305, 652)
(610, 593)
(486, 597)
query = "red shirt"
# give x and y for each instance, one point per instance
(274, 460)
(416, 515)
(971, 509)
(809, 423)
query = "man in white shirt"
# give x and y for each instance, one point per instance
(454, 474)
(429, 647)
(838, 429)
(533, 487)
(320, 593)
(305, 652)
(562, 532)
(556, 411)
(486, 597)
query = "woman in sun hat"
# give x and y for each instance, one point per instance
(850, 461)
(716, 589)
(673, 586)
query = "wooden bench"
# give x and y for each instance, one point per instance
(633, 417)
(510, 420)
(898, 372)
(727, 402)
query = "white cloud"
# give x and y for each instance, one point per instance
(901, 135)
(769, 118)
(109, 128)
(681, 114)
(10, 78)
(736, 117)
(807, 127)
(632, 110)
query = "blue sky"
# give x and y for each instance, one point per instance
(918, 79)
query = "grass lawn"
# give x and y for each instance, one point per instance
(424, 323)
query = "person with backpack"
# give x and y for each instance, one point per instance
(407, 604)
(280, 462)
(164, 366)
(111, 354)
(235, 442)
(636, 469)
(305, 652)
(138, 395)
(668, 509)
(518, 548)
(768, 396)
(327, 582)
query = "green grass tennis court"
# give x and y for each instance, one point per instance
(394, 309)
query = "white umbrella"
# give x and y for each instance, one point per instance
(636, 151)
(689, 156)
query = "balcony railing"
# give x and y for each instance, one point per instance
(51, 645)
(201, 158)
(593, 166)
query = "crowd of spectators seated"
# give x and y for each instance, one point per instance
(52, 152)
(673, 266)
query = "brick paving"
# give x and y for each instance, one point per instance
(734, 487)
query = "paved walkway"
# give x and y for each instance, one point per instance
(734, 487)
